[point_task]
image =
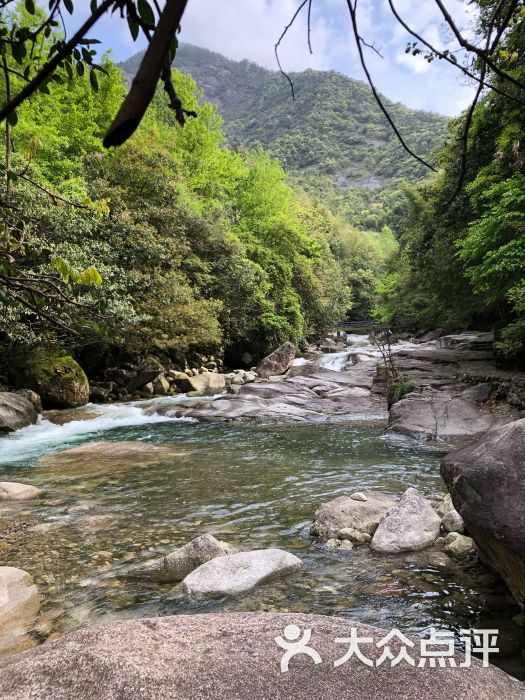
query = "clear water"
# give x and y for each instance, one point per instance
(254, 487)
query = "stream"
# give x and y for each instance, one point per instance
(252, 486)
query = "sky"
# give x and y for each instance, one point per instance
(249, 29)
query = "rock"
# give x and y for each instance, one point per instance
(214, 656)
(335, 543)
(445, 505)
(410, 525)
(15, 412)
(458, 546)
(487, 482)
(13, 491)
(441, 415)
(209, 383)
(106, 456)
(452, 522)
(32, 397)
(344, 512)
(161, 386)
(98, 395)
(179, 563)
(237, 573)
(19, 604)
(431, 335)
(358, 496)
(354, 536)
(54, 375)
(278, 362)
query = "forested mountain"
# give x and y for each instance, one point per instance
(332, 139)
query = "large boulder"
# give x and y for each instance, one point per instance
(207, 383)
(179, 563)
(411, 524)
(58, 379)
(349, 512)
(14, 491)
(487, 483)
(442, 415)
(219, 655)
(237, 573)
(15, 412)
(19, 605)
(278, 362)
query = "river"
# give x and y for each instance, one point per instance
(252, 486)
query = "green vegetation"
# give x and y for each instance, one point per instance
(332, 140)
(171, 242)
(462, 262)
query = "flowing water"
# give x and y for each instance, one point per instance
(251, 486)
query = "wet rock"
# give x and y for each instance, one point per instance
(14, 491)
(15, 412)
(344, 512)
(354, 536)
(219, 655)
(106, 456)
(237, 573)
(458, 546)
(335, 543)
(412, 524)
(278, 362)
(179, 563)
(445, 505)
(452, 522)
(487, 482)
(19, 604)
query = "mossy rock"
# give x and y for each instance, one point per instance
(55, 375)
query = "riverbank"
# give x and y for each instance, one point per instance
(252, 482)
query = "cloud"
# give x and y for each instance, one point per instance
(248, 29)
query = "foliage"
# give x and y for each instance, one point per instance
(332, 139)
(462, 263)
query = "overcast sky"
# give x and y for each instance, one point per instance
(249, 29)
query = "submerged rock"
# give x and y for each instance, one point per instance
(412, 524)
(237, 573)
(278, 362)
(344, 512)
(234, 655)
(105, 456)
(487, 482)
(15, 412)
(179, 563)
(19, 605)
(14, 491)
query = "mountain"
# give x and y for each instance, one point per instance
(332, 139)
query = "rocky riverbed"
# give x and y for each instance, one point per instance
(116, 490)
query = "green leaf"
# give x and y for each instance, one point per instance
(13, 118)
(30, 6)
(93, 80)
(146, 13)
(80, 68)
(90, 276)
(133, 28)
(68, 4)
